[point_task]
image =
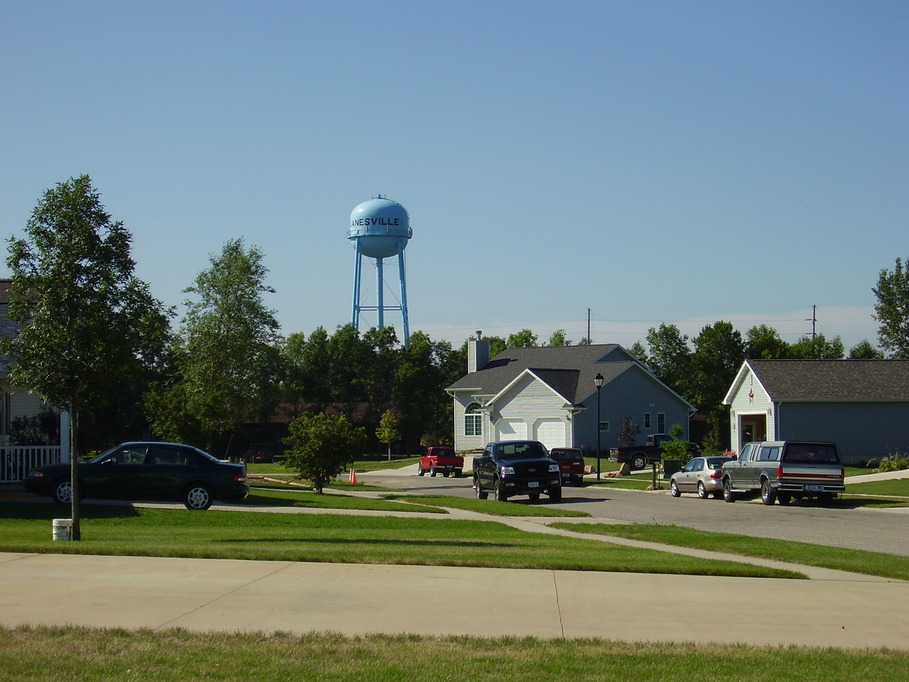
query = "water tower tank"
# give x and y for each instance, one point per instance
(380, 227)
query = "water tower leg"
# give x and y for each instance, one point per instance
(355, 314)
(403, 297)
(380, 293)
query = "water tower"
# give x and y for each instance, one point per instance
(380, 229)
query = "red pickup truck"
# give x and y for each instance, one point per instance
(440, 458)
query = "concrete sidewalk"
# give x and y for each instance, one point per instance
(226, 595)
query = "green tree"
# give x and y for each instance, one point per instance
(670, 356)
(388, 431)
(864, 350)
(320, 445)
(718, 353)
(764, 343)
(892, 310)
(88, 325)
(229, 369)
(558, 338)
(639, 352)
(817, 348)
(522, 339)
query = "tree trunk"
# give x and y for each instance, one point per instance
(76, 532)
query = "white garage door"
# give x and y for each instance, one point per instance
(511, 429)
(551, 433)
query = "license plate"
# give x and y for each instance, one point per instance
(814, 488)
(533, 484)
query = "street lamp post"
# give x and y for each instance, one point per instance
(598, 382)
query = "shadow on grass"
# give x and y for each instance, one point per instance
(87, 510)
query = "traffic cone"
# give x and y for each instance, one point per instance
(353, 475)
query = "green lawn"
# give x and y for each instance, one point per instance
(838, 558)
(48, 654)
(336, 538)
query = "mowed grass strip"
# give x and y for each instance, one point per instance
(520, 507)
(338, 538)
(801, 553)
(77, 653)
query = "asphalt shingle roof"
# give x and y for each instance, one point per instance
(841, 380)
(569, 370)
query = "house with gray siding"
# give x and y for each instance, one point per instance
(548, 394)
(862, 405)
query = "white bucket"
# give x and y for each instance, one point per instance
(62, 529)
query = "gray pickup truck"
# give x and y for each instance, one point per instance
(784, 470)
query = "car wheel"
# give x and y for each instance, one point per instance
(555, 494)
(534, 496)
(768, 494)
(826, 500)
(432, 471)
(784, 498)
(481, 494)
(420, 470)
(728, 495)
(458, 473)
(198, 496)
(702, 491)
(445, 474)
(501, 496)
(638, 461)
(63, 492)
(674, 489)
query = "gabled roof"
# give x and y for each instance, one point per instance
(568, 370)
(830, 380)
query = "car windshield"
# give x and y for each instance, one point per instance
(520, 450)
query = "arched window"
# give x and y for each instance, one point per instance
(473, 420)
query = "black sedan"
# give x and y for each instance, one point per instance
(140, 470)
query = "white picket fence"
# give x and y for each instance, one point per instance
(17, 461)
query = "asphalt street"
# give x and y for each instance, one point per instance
(842, 525)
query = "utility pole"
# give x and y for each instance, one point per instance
(812, 320)
(588, 326)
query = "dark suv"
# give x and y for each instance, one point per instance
(571, 462)
(516, 467)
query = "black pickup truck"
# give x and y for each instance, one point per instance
(516, 467)
(639, 456)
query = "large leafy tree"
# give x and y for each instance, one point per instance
(670, 357)
(764, 343)
(229, 367)
(892, 310)
(718, 353)
(88, 325)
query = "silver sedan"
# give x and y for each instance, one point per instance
(701, 475)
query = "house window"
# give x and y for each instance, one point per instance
(647, 420)
(473, 420)
(661, 422)
(604, 426)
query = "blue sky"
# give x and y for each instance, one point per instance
(677, 162)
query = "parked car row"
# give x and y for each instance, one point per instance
(774, 470)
